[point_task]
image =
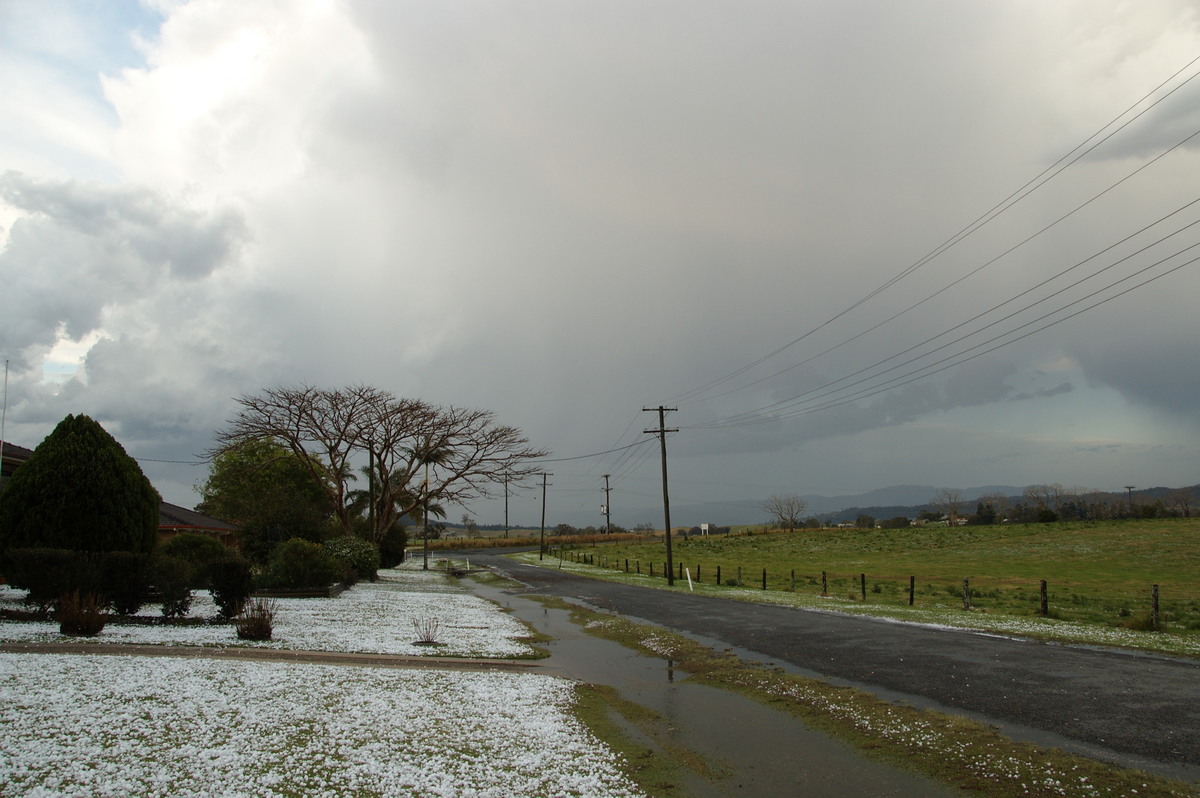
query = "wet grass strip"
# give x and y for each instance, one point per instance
(638, 735)
(955, 751)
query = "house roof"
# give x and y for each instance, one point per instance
(14, 452)
(172, 516)
(13, 456)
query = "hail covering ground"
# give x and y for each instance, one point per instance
(105, 725)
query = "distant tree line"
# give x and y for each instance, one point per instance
(1044, 503)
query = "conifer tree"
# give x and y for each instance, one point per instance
(79, 490)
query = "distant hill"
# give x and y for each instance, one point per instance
(900, 498)
(881, 504)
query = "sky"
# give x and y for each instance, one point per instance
(849, 244)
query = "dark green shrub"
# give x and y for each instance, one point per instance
(231, 584)
(125, 580)
(49, 574)
(299, 564)
(197, 551)
(359, 559)
(172, 577)
(79, 490)
(80, 614)
(391, 549)
(257, 622)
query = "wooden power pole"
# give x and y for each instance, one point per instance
(607, 507)
(661, 432)
(542, 543)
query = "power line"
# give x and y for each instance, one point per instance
(1021, 193)
(929, 370)
(749, 413)
(593, 454)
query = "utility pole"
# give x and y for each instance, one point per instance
(1130, 488)
(542, 543)
(607, 508)
(662, 441)
(506, 505)
(371, 486)
(425, 549)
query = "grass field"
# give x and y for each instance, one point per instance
(1099, 573)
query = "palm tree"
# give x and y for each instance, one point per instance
(435, 455)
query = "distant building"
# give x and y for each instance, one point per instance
(13, 456)
(175, 520)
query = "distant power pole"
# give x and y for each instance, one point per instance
(662, 442)
(506, 505)
(1130, 488)
(607, 508)
(542, 543)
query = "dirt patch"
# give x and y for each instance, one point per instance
(271, 655)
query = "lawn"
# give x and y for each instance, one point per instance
(164, 726)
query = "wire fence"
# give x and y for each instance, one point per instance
(1173, 607)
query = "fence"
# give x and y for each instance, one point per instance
(1151, 607)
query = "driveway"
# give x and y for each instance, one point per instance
(1142, 710)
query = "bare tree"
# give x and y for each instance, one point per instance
(999, 505)
(950, 501)
(1181, 500)
(1046, 497)
(787, 509)
(417, 453)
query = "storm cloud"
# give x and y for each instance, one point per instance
(566, 214)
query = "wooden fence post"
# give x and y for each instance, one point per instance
(764, 579)
(824, 584)
(718, 576)
(912, 589)
(1154, 609)
(862, 580)
(793, 580)
(1044, 603)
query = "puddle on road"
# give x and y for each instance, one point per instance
(765, 752)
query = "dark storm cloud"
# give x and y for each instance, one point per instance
(1161, 374)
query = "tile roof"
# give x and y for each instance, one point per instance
(18, 453)
(172, 515)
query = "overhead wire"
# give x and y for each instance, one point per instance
(1025, 190)
(750, 413)
(969, 274)
(944, 364)
(634, 455)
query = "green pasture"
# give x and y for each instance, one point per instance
(1096, 572)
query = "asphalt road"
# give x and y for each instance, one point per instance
(1137, 705)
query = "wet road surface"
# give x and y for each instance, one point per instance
(1135, 709)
